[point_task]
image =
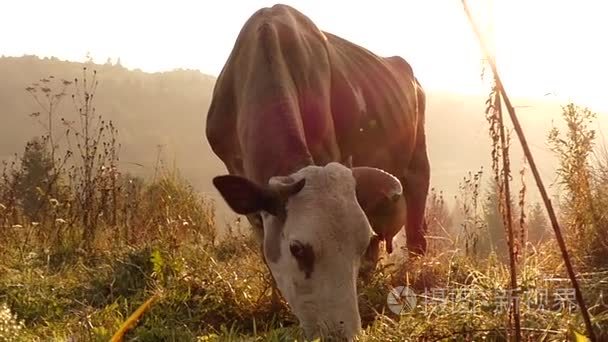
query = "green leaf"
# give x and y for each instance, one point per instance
(158, 263)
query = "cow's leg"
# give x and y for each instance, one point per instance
(416, 189)
(417, 180)
(370, 258)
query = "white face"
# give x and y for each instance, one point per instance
(315, 235)
(314, 250)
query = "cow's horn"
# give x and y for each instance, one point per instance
(285, 186)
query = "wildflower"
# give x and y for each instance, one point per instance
(10, 327)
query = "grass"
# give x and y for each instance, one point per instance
(206, 294)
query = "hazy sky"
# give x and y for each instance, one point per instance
(543, 46)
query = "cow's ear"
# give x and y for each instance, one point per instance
(376, 188)
(245, 197)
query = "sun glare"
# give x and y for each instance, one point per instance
(551, 48)
(542, 47)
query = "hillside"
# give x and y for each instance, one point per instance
(155, 112)
(165, 112)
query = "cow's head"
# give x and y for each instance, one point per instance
(315, 234)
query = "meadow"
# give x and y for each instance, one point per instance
(85, 244)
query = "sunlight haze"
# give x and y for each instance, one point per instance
(543, 47)
(144, 198)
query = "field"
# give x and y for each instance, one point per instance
(84, 245)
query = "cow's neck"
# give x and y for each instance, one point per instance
(268, 162)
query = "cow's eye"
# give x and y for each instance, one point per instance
(297, 249)
(304, 255)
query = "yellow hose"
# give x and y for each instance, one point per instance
(118, 336)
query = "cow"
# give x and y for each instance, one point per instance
(325, 149)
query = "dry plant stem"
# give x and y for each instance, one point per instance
(509, 222)
(539, 182)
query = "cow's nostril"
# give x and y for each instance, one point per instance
(341, 322)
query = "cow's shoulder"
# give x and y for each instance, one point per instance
(400, 66)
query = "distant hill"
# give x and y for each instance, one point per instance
(169, 108)
(150, 110)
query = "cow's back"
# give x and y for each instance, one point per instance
(291, 95)
(375, 106)
(270, 113)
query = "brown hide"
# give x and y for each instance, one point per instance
(291, 95)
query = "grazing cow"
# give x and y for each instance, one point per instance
(325, 148)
